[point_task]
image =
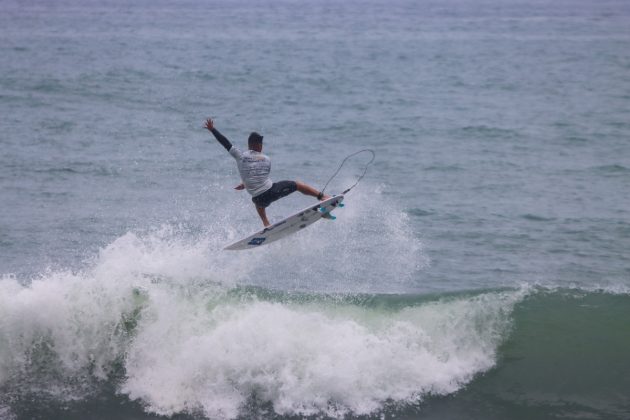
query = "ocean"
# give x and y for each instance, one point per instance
(480, 270)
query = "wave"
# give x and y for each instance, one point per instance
(489, 132)
(162, 321)
(611, 170)
(201, 348)
(208, 349)
(158, 320)
(537, 218)
(205, 348)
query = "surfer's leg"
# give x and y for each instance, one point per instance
(263, 215)
(308, 190)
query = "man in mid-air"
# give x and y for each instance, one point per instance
(254, 168)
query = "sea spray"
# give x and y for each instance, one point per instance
(371, 247)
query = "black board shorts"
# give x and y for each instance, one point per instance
(278, 190)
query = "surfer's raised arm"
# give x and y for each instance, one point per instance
(220, 137)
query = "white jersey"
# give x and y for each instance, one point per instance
(254, 168)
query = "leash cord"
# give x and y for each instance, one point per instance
(341, 166)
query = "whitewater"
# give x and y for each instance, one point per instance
(151, 307)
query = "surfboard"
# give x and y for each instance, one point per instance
(289, 225)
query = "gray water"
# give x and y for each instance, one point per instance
(502, 134)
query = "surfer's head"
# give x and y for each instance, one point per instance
(255, 142)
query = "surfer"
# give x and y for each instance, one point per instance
(254, 168)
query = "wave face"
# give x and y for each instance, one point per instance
(149, 330)
(183, 343)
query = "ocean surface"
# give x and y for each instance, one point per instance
(480, 270)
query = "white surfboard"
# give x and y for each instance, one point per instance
(289, 225)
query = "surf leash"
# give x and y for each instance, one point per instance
(341, 166)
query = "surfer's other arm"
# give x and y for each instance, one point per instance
(220, 137)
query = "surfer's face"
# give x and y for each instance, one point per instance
(256, 146)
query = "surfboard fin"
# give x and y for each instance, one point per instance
(326, 214)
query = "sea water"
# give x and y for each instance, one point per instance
(480, 270)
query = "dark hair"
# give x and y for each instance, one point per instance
(254, 138)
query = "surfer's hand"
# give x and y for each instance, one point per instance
(209, 124)
(240, 187)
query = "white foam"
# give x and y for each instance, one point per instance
(199, 346)
(74, 315)
(79, 314)
(310, 359)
